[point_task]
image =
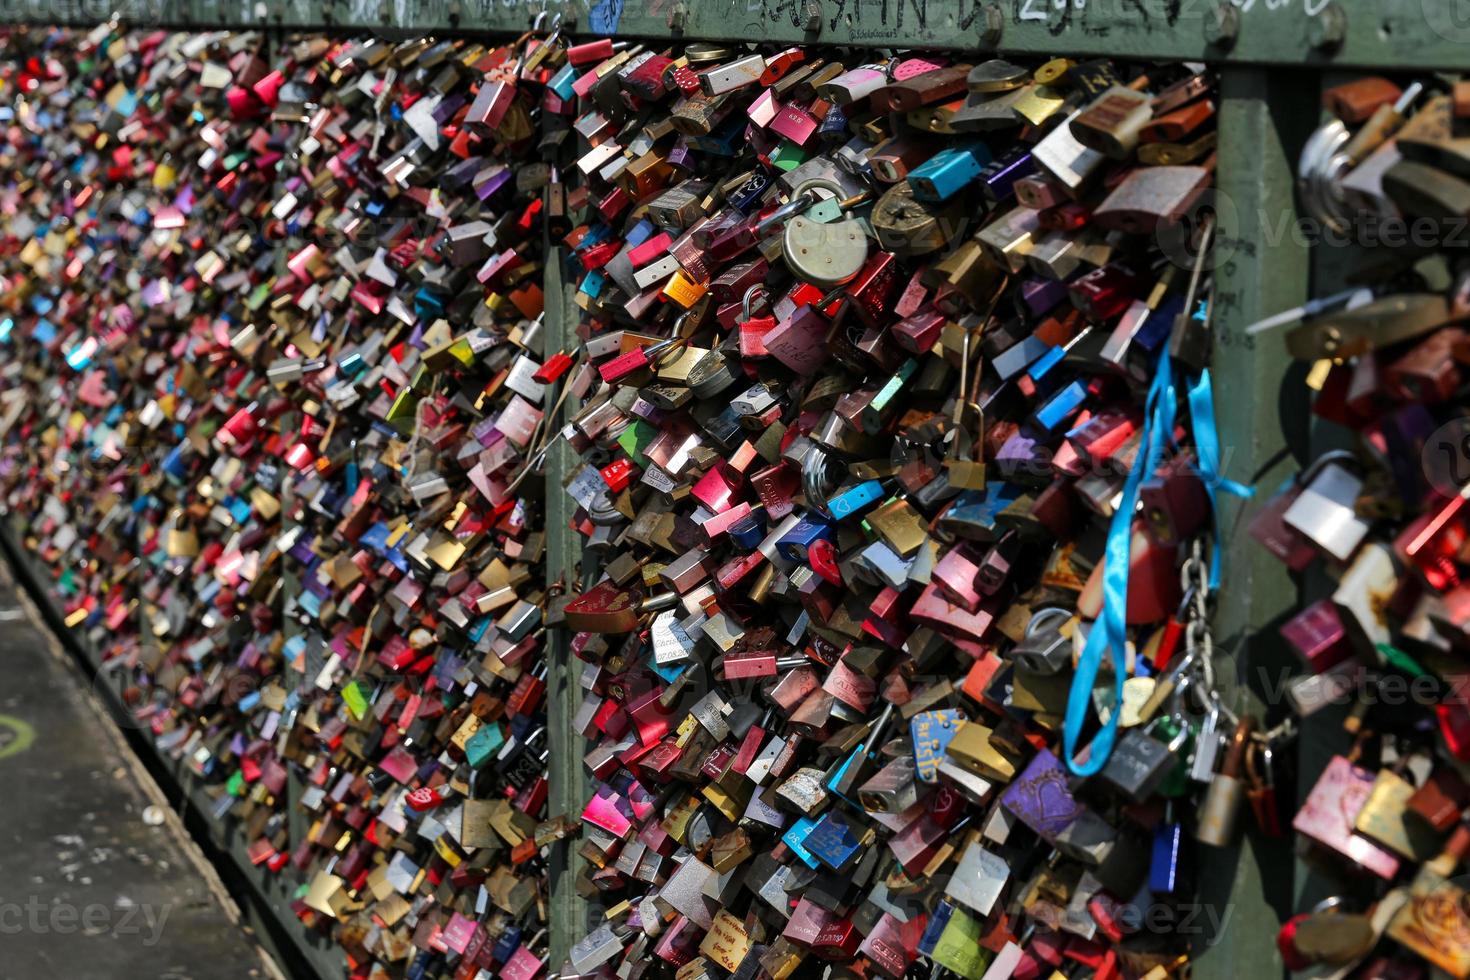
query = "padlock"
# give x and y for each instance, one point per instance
(1385, 819)
(1326, 935)
(948, 172)
(824, 248)
(1436, 908)
(1140, 762)
(1220, 810)
(1163, 871)
(1114, 120)
(1325, 510)
(1441, 799)
(1207, 746)
(1152, 196)
(1332, 806)
(1044, 649)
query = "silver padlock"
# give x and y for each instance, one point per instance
(824, 253)
(1325, 511)
(1206, 746)
(1140, 762)
(1043, 649)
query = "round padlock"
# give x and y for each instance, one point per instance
(909, 227)
(1320, 170)
(824, 254)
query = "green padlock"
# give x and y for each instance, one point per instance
(788, 156)
(959, 946)
(1177, 783)
(482, 746)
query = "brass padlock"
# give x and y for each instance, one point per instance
(1220, 811)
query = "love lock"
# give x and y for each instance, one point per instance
(824, 244)
(1320, 171)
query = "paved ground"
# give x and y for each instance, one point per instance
(88, 889)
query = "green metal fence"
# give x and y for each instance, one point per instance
(1274, 57)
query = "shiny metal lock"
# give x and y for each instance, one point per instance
(1140, 762)
(891, 789)
(1206, 747)
(1043, 649)
(1112, 123)
(1152, 196)
(825, 253)
(1325, 511)
(979, 878)
(1219, 813)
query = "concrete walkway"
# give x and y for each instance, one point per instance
(88, 887)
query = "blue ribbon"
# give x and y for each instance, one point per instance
(1207, 458)
(1109, 633)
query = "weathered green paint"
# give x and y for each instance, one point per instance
(1375, 33)
(1261, 267)
(564, 693)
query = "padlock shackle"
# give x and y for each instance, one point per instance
(1258, 765)
(799, 202)
(1345, 456)
(758, 289)
(1035, 624)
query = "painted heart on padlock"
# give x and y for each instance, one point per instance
(1040, 798)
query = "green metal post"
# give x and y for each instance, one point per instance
(1261, 267)
(569, 910)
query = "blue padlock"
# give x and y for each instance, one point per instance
(794, 543)
(943, 910)
(1163, 868)
(747, 532)
(795, 838)
(1060, 407)
(949, 171)
(561, 82)
(854, 500)
(833, 842)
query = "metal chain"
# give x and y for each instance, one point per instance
(1194, 577)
